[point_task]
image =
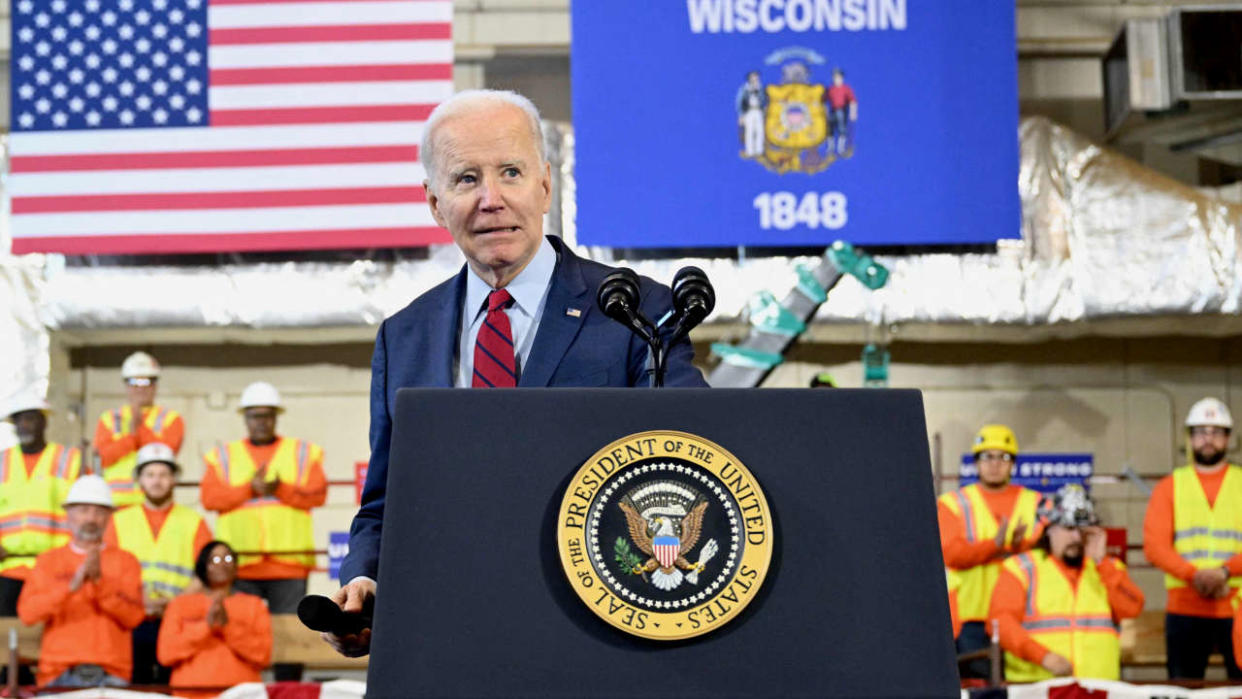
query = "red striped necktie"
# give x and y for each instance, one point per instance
(494, 365)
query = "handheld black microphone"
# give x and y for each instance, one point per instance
(693, 298)
(618, 299)
(320, 613)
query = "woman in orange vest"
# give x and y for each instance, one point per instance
(218, 637)
(1059, 606)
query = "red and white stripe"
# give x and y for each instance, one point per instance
(317, 109)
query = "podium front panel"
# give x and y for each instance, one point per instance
(473, 601)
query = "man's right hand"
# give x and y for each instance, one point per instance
(1057, 664)
(355, 596)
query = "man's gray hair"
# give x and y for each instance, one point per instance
(465, 101)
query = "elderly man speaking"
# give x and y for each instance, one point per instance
(520, 313)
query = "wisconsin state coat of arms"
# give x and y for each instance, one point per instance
(796, 124)
(665, 535)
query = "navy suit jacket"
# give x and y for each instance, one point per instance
(416, 347)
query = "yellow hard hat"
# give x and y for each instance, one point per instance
(995, 437)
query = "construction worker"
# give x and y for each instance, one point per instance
(35, 476)
(264, 488)
(1193, 532)
(981, 524)
(87, 595)
(166, 538)
(1059, 606)
(217, 637)
(121, 432)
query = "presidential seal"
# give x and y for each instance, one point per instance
(665, 535)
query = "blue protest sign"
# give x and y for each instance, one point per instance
(1043, 472)
(795, 122)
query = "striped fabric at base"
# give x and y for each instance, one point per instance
(151, 126)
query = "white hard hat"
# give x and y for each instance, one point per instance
(260, 394)
(1209, 412)
(140, 365)
(24, 403)
(90, 490)
(156, 453)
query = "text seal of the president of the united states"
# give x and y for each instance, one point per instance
(665, 535)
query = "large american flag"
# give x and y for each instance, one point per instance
(144, 126)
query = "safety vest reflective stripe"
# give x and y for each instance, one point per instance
(4, 466)
(968, 515)
(1206, 535)
(303, 447)
(62, 464)
(161, 565)
(1204, 531)
(1072, 620)
(1066, 622)
(224, 463)
(159, 421)
(1028, 567)
(34, 520)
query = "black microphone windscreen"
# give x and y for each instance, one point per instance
(618, 294)
(693, 295)
(320, 613)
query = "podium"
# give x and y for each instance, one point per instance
(473, 600)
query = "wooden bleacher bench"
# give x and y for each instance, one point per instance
(1142, 641)
(291, 643)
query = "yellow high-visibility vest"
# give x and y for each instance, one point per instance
(1075, 623)
(32, 519)
(120, 475)
(1207, 536)
(168, 559)
(974, 592)
(265, 524)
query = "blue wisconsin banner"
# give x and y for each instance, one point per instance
(795, 122)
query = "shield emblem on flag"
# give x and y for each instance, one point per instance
(796, 117)
(666, 549)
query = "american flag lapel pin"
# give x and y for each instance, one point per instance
(573, 312)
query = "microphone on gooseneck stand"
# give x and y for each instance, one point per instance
(618, 298)
(693, 300)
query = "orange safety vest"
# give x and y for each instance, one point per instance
(974, 592)
(120, 475)
(265, 524)
(32, 519)
(1076, 623)
(1206, 535)
(168, 559)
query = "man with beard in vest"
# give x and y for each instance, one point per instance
(1059, 606)
(166, 538)
(980, 525)
(1193, 532)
